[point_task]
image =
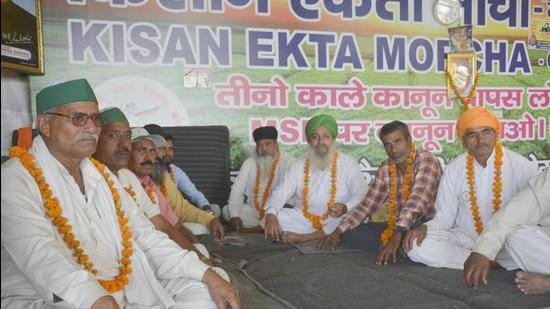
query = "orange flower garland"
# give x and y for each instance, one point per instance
(497, 185)
(316, 219)
(464, 100)
(388, 232)
(55, 213)
(151, 195)
(131, 191)
(260, 207)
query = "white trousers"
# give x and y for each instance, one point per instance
(293, 220)
(248, 214)
(527, 248)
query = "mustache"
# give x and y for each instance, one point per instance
(147, 162)
(122, 151)
(88, 137)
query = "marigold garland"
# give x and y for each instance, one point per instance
(316, 219)
(55, 213)
(260, 207)
(151, 194)
(388, 232)
(497, 186)
(464, 100)
(131, 191)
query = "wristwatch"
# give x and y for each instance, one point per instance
(399, 229)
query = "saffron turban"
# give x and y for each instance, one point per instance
(112, 114)
(325, 121)
(476, 117)
(264, 133)
(78, 90)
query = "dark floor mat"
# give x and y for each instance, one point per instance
(352, 280)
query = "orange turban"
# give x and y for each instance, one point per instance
(477, 117)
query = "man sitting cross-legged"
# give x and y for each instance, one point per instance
(523, 225)
(258, 177)
(408, 179)
(327, 184)
(472, 188)
(113, 150)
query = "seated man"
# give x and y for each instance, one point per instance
(113, 150)
(327, 184)
(183, 182)
(530, 248)
(472, 188)
(71, 237)
(258, 177)
(408, 179)
(196, 220)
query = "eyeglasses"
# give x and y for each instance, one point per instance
(81, 119)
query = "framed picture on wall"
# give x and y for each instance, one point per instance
(461, 69)
(22, 42)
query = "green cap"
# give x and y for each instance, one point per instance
(112, 114)
(64, 93)
(326, 121)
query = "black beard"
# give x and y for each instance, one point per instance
(158, 173)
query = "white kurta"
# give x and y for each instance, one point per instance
(350, 190)
(36, 263)
(451, 233)
(524, 226)
(243, 188)
(128, 179)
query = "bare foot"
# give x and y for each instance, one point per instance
(293, 238)
(533, 283)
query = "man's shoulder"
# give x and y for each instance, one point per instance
(520, 162)
(516, 157)
(11, 168)
(126, 175)
(176, 168)
(456, 165)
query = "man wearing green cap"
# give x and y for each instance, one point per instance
(113, 150)
(326, 185)
(73, 238)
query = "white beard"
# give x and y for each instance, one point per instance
(321, 162)
(264, 162)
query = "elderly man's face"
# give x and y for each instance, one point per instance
(142, 157)
(480, 141)
(321, 140)
(397, 146)
(113, 148)
(161, 155)
(266, 147)
(66, 140)
(169, 151)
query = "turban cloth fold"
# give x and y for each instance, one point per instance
(476, 117)
(326, 121)
(265, 133)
